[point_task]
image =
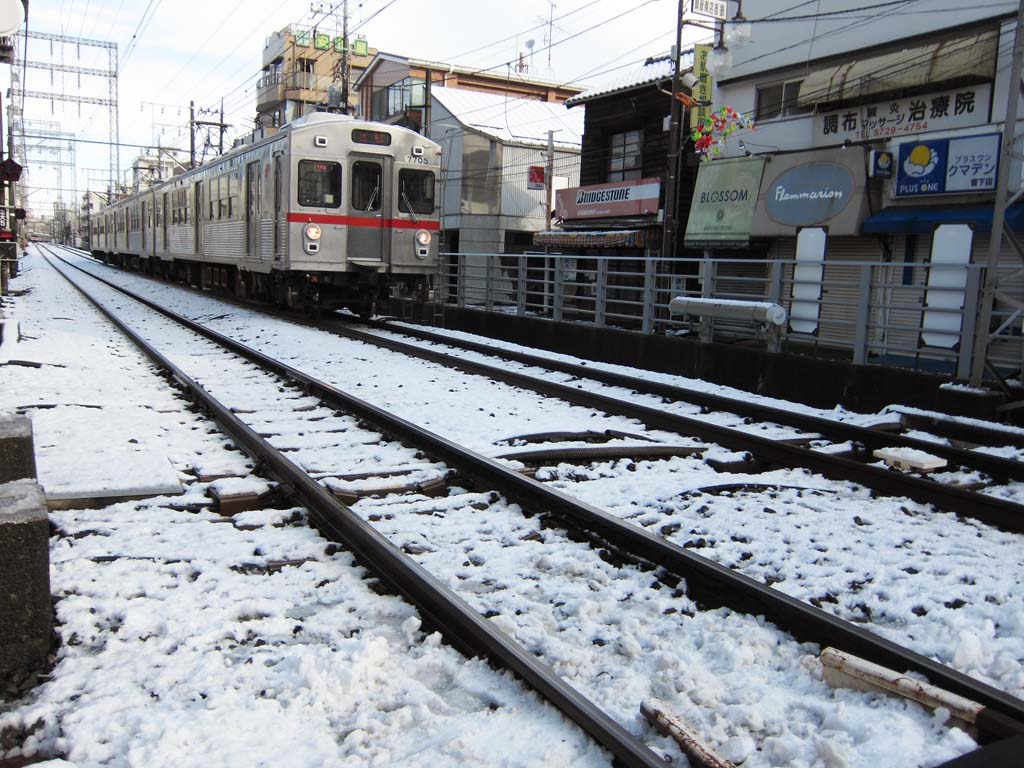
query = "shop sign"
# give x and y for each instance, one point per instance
(620, 198)
(944, 166)
(535, 177)
(723, 202)
(809, 194)
(701, 92)
(880, 164)
(957, 108)
(821, 187)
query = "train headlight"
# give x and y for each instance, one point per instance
(423, 237)
(313, 231)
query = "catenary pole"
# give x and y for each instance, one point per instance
(981, 331)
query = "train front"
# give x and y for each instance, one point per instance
(366, 205)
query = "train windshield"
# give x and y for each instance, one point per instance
(319, 184)
(416, 191)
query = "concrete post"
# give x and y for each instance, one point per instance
(17, 456)
(26, 618)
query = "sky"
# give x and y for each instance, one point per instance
(174, 51)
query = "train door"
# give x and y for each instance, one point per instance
(197, 211)
(142, 225)
(252, 209)
(370, 210)
(278, 210)
(163, 223)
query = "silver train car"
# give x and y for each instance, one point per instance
(330, 211)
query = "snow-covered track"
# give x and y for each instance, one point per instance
(837, 431)
(707, 582)
(462, 626)
(1001, 513)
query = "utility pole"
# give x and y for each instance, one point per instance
(549, 173)
(668, 243)
(193, 123)
(345, 70)
(988, 294)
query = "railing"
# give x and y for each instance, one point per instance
(915, 314)
(274, 78)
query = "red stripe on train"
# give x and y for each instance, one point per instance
(360, 221)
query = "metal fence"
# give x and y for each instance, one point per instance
(908, 314)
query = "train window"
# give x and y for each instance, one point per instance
(366, 191)
(319, 184)
(415, 191)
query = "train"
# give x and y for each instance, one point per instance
(329, 212)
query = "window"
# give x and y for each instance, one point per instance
(366, 191)
(179, 207)
(624, 156)
(319, 184)
(304, 73)
(395, 98)
(779, 100)
(415, 191)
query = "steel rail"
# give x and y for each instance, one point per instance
(708, 583)
(997, 466)
(466, 629)
(988, 509)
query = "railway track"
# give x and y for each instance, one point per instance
(710, 584)
(766, 452)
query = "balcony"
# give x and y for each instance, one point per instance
(269, 91)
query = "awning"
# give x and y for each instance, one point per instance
(616, 238)
(921, 220)
(968, 56)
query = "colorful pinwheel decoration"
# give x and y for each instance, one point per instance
(716, 127)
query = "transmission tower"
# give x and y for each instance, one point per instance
(57, 44)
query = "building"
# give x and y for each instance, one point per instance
(869, 178)
(624, 158)
(299, 66)
(489, 143)
(615, 217)
(148, 170)
(396, 89)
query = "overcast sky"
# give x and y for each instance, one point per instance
(174, 51)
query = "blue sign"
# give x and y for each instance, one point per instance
(940, 166)
(809, 194)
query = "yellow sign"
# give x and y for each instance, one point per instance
(702, 90)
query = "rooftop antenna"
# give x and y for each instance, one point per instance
(529, 46)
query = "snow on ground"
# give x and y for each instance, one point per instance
(743, 682)
(186, 637)
(980, 634)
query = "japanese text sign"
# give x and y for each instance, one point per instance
(942, 166)
(957, 108)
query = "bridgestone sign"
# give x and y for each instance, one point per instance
(623, 198)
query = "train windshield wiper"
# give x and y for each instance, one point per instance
(408, 205)
(373, 198)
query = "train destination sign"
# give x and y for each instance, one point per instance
(723, 202)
